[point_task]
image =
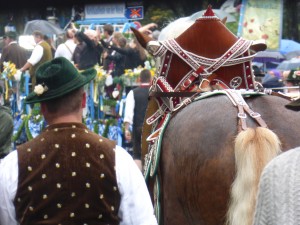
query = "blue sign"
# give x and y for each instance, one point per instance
(135, 13)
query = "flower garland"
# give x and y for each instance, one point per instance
(132, 77)
(32, 124)
(8, 74)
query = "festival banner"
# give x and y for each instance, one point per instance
(135, 13)
(261, 19)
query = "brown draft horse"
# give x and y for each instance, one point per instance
(209, 169)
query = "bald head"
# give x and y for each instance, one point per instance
(70, 33)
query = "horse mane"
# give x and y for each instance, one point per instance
(175, 28)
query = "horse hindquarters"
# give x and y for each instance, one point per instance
(197, 164)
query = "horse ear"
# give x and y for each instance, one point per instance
(142, 38)
(224, 20)
(259, 45)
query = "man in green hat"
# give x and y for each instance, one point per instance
(68, 174)
(12, 51)
(294, 105)
(6, 130)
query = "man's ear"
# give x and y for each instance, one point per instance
(83, 102)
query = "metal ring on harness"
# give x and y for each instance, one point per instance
(202, 80)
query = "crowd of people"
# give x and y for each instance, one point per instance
(85, 48)
(285, 81)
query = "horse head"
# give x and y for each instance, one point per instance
(206, 51)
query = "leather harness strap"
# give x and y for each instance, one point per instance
(172, 94)
(237, 99)
(270, 92)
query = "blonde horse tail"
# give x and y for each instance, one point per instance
(254, 148)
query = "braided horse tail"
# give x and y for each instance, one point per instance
(254, 148)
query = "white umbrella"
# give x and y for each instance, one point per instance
(43, 26)
(292, 54)
(289, 64)
(218, 12)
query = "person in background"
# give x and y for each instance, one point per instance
(108, 31)
(135, 109)
(148, 28)
(86, 55)
(67, 48)
(116, 57)
(87, 51)
(292, 80)
(12, 51)
(117, 65)
(40, 54)
(49, 40)
(134, 53)
(6, 131)
(273, 79)
(278, 201)
(69, 174)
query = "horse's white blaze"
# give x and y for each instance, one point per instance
(254, 148)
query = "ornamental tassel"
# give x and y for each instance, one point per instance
(120, 133)
(95, 92)
(6, 89)
(91, 102)
(101, 114)
(27, 78)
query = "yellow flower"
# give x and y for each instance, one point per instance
(9, 70)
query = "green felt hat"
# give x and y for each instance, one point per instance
(294, 105)
(10, 34)
(56, 78)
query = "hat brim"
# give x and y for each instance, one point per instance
(294, 105)
(84, 77)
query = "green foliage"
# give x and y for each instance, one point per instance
(160, 15)
(108, 123)
(233, 26)
(110, 102)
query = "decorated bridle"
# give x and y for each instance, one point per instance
(202, 67)
(200, 75)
